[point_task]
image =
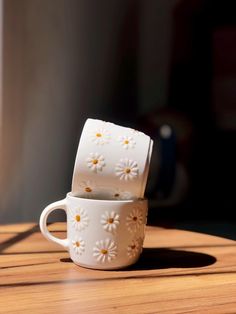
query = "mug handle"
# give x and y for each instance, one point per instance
(43, 223)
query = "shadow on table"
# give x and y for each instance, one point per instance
(156, 258)
(225, 229)
(18, 237)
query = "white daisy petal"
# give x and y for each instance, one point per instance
(126, 169)
(100, 136)
(79, 218)
(87, 189)
(134, 220)
(126, 142)
(78, 245)
(134, 248)
(105, 250)
(95, 162)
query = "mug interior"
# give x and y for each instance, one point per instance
(71, 196)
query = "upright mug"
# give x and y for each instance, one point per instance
(101, 234)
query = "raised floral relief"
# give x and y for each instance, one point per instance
(110, 221)
(105, 250)
(87, 189)
(95, 162)
(134, 220)
(127, 142)
(100, 136)
(78, 245)
(126, 169)
(119, 194)
(79, 218)
(134, 248)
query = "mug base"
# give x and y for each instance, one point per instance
(105, 267)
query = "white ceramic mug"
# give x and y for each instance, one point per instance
(101, 234)
(112, 162)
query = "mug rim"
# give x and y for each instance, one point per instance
(92, 200)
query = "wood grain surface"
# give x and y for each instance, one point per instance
(178, 272)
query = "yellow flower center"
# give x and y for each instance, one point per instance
(126, 142)
(77, 243)
(110, 220)
(117, 195)
(77, 218)
(88, 189)
(135, 218)
(104, 251)
(127, 170)
(98, 135)
(95, 161)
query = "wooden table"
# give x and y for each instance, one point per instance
(179, 272)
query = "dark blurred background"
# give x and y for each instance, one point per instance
(165, 67)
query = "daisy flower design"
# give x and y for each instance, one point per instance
(100, 136)
(79, 218)
(87, 189)
(126, 169)
(127, 141)
(119, 194)
(95, 162)
(110, 221)
(134, 248)
(105, 251)
(134, 220)
(78, 245)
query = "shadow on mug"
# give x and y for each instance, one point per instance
(161, 258)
